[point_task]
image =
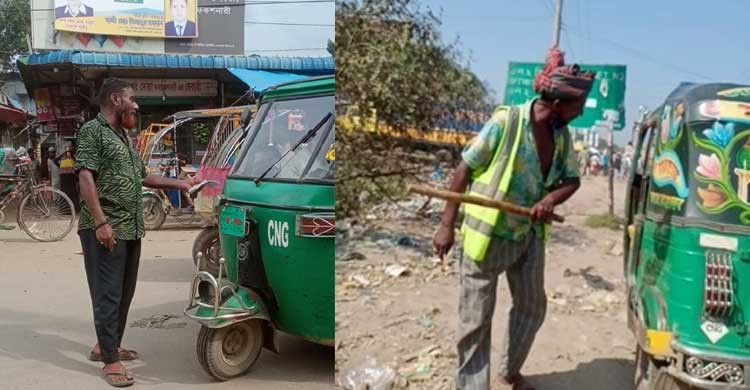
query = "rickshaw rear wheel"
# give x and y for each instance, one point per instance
(649, 376)
(154, 214)
(207, 242)
(229, 352)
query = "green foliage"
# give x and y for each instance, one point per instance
(604, 221)
(369, 174)
(200, 131)
(15, 24)
(390, 59)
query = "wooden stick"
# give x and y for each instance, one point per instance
(464, 198)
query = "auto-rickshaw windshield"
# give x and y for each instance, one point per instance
(283, 126)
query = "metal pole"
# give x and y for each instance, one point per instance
(610, 151)
(556, 26)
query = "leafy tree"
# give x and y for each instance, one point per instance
(390, 60)
(15, 25)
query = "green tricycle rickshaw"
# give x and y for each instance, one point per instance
(687, 245)
(277, 232)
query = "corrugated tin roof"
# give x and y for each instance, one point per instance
(323, 65)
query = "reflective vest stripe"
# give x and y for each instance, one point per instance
(492, 183)
(473, 252)
(479, 213)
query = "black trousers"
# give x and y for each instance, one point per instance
(112, 277)
(68, 186)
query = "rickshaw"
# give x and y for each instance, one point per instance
(219, 159)
(277, 232)
(687, 244)
(159, 153)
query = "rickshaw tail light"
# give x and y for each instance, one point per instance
(316, 225)
(718, 296)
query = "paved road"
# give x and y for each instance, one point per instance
(46, 326)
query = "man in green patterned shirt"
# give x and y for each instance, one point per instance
(111, 224)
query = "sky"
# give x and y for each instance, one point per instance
(662, 42)
(262, 37)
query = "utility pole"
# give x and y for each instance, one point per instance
(610, 166)
(556, 26)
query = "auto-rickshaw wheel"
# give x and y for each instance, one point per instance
(207, 242)
(649, 376)
(154, 214)
(228, 352)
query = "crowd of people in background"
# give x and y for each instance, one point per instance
(598, 162)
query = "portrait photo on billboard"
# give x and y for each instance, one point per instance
(128, 18)
(176, 16)
(222, 30)
(73, 9)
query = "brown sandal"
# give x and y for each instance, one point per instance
(123, 354)
(115, 377)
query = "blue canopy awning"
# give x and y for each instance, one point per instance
(259, 80)
(308, 65)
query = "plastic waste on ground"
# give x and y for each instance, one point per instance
(368, 375)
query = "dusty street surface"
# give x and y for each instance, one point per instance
(46, 325)
(407, 322)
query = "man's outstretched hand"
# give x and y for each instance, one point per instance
(189, 182)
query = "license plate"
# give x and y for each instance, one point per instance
(232, 221)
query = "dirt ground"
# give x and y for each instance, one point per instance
(47, 329)
(407, 322)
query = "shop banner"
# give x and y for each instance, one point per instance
(56, 103)
(44, 111)
(139, 18)
(173, 87)
(605, 106)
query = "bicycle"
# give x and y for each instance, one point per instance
(45, 213)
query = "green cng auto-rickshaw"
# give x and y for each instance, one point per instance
(277, 229)
(687, 246)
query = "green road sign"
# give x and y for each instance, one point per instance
(606, 99)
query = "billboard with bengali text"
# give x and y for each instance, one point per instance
(222, 26)
(135, 18)
(225, 27)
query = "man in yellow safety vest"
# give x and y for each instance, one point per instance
(523, 155)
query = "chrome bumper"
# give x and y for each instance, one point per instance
(709, 371)
(232, 315)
